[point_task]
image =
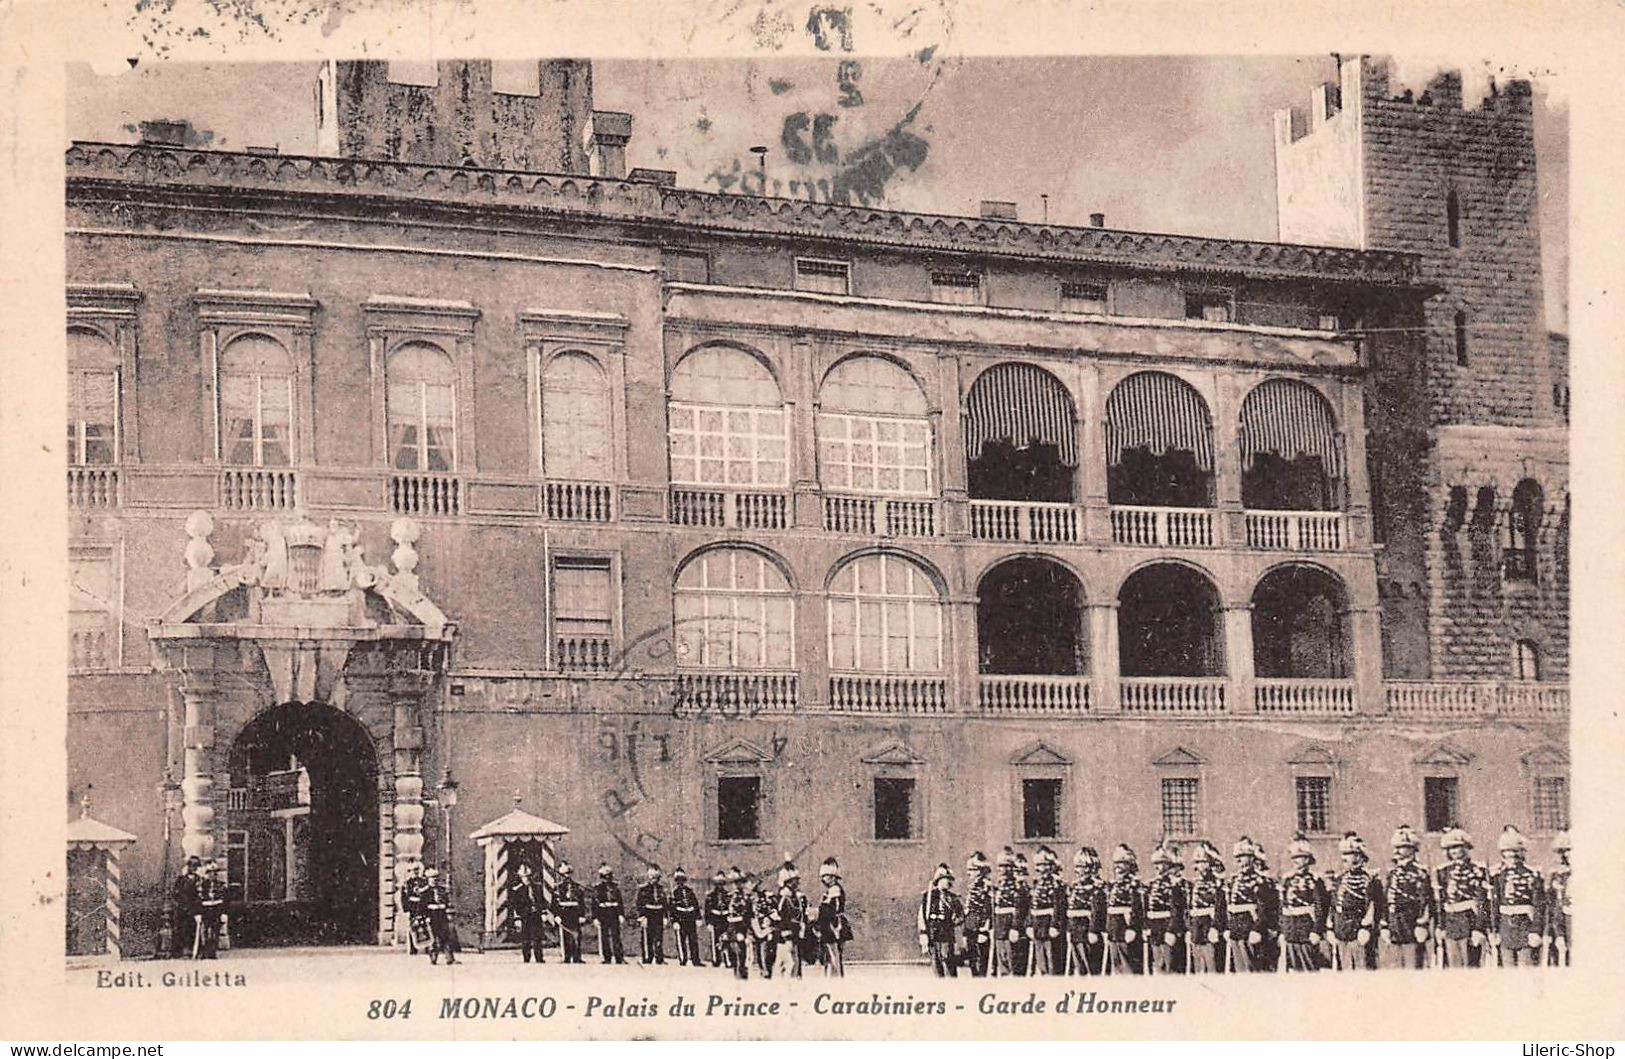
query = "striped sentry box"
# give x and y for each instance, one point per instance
(113, 901)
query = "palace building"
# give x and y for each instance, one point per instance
(456, 470)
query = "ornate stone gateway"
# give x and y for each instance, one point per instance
(304, 676)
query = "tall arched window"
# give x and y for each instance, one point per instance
(728, 426)
(885, 616)
(256, 403)
(874, 434)
(1020, 436)
(1291, 453)
(1159, 443)
(576, 428)
(1523, 531)
(1526, 660)
(733, 610)
(1300, 618)
(1169, 624)
(92, 399)
(422, 408)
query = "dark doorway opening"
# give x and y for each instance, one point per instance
(1029, 620)
(1168, 624)
(1299, 615)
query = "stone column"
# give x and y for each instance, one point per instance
(1232, 528)
(962, 658)
(1103, 656)
(1238, 651)
(406, 700)
(197, 783)
(801, 412)
(1365, 642)
(1356, 480)
(1092, 457)
(948, 435)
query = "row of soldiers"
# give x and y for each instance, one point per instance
(781, 930)
(1457, 915)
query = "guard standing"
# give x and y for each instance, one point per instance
(790, 920)
(1011, 900)
(1048, 913)
(211, 911)
(737, 912)
(607, 911)
(411, 906)
(941, 916)
(1356, 906)
(188, 906)
(685, 915)
(716, 916)
(1252, 911)
(1305, 903)
(834, 929)
(1206, 917)
(1518, 922)
(1557, 904)
(1165, 912)
(1085, 913)
(1408, 908)
(570, 905)
(653, 907)
(528, 902)
(1463, 889)
(438, 911)
(763, 937)
(978, 914)
(1125, 915)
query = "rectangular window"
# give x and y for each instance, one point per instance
(956, 287)
(739, 808)
(1551, 803)
(583, 613)
(874, 454)
(1211, 306)
(422, 74)
(1329, 322)
(1461, 339)
(422, 423)
(894, 808)
(1314, 804)
(1179, 794)
(93, 417)
(237, 861)
(92, 632)
(729, 445)
(1041, 808)
(516, 77)
(824, 277)
(257, 411)
(1441, 802)
(1083, 298)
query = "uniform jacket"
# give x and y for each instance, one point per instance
(1012, 901)
(762, 907)
(1356, 904)
(1085, 907)
(790, 913)
(412, 895)
(738, 908)
(832, 925)
(1305, 903)
(1462, 889)
(1519, 906)
(1409, 902)
(716, 905)
(1165, 907)
(1557, 904)
(1251, 903)
(1207, 898)
(606, 901)
(436, 900)
(1048, 902)
(1125, 908)
(570, 902)
(652, 901)
(685, 904)
(528, 901)
(188, 895)
(941, 913)
(978, 905)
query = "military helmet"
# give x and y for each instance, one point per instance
(1123, 855)
(653, 872)
(565, 869)
(1352, 843)
(1007, 858)
(1208, 853)
(1404, 836)
(1244, 847)
(194, 862)
(679, 873)
(735, 875)
(830, 869)
(1047, 857)
(788, 872)
(942, 872)
(526, 869)
(1512, 839)
(604, 869)
(1455, 837)
(1299, 847)
(1086, 857)
(433, 873)
(1161, 855)
(719, 876)
(977, 862)
(1560, 841)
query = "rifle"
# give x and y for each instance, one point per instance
(197, 934)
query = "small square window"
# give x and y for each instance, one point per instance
(1083, 298)
(956, 287)
(1211, 306)
(1179, 805)
(823, 277)
(739, 808)
(1041, 808)
(1550, 795)
(1330, 322)
(894, 808)
(1441, 802)
(1314, 798)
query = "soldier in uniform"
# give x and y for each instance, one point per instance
(211, 911)
(1305, 903)
(1047, 915)
(653, 906)
(1125, 915)
(1251, 911)
(1462, 887)
(1517, 911)
(188, 906)
(978, 914)
(1085, 913)
(763, 939)
(1356, 906)
(1205, 914)
(1021, 950)
(437, 909)
(1408, 905)
(790, 920)
(716, 916)
(834, 929)
(1165, 912)
(607, 911)
(570, 907)
(410, 901)
(685, 916)
(528, 902)
(1010, 905)
(940, 918)
(1557, 903)
(737, 911)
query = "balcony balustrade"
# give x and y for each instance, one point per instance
(93, 487)
(1293, 695)
(1164, 527)
(583, 654)
(729, 509)
(1449, 700)
(887, 693)
(870, 516)
(737, 694)
(1298, 531)
(1000, 694)
(1172, 695)
(579, 501)
(1025, 520)
(259, 489)
(425, 494)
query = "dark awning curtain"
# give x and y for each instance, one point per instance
(1022, 405)
(1159, 412)
(1289, 419)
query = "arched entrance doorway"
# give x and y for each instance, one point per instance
(301, 829)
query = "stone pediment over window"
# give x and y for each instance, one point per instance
(893, 753)
(1445, 755)
(1179, 757)
(1545, 757)
(738, 752)
(1314, 754)
(1040, 754)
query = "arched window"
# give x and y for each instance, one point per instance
(1168, 624)
(256, 403)
(422, 408)
(1523, 531)
(1159, 443)
(874, 434)
(1526, 660)
(576, 427)
(1291, 453)
(885, 616)
(1029, 620)
(1300, 616)
(1020, 436)
(733, 610)
(93, 395)
(728, 426)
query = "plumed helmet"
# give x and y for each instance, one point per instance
(1351, 843)
(1404, 836)
(604, 869)
(1299, 847)
(735, 875)
(1123, 855)
(679, 873)
(719, 876)
(1455, 837)
(829, 869)
(1161, 855)
(942, 872)
(433, 873)
(565, 869)
(1244, 847)
(1512, 839)
(1208, 853)
(1560, 841)
(1007, 858)
(194, 862)
(526, 869)
(787, 873)
(1175, 853)
(1086, 857)
(1047, 858)
(653, 872)
(977, 862)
